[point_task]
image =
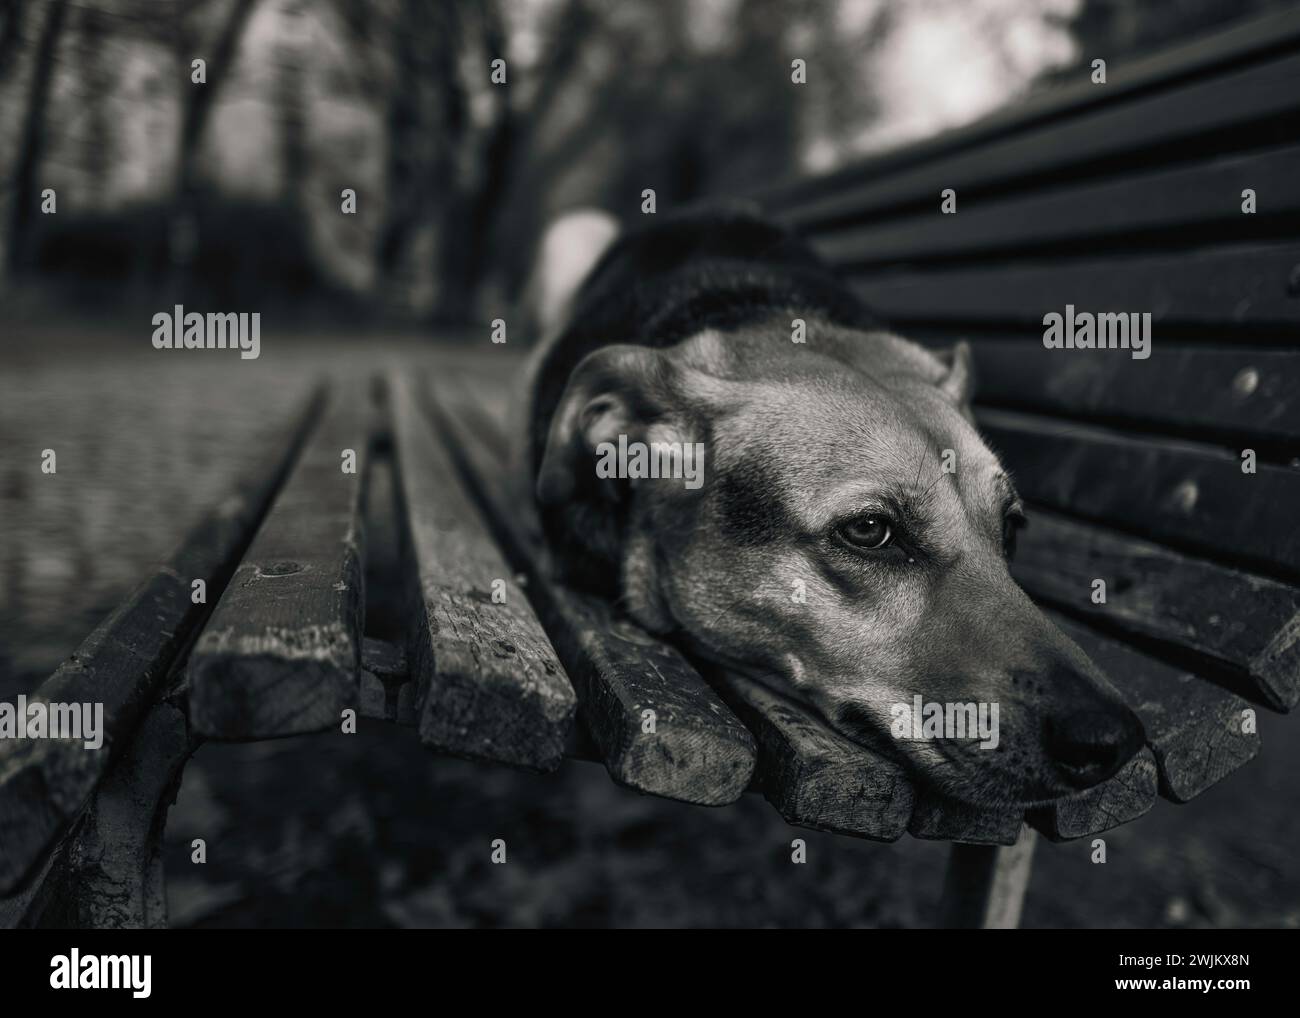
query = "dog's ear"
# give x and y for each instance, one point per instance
(959, 382)
(617, 390)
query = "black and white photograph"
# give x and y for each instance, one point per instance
(650, 465)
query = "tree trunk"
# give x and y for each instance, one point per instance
(24, 194)
(197, 108)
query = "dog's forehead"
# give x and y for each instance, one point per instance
(829, 446)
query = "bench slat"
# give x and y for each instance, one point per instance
(1249, 623)
(1117, 800)
(488, 683)
(279, 655)
(122, 664)
(814, 776)
(1196, 196)
(1193, 727)
(699, 751)
(1141, 130)
(110, 875)
(937, 817)
(1180, 492)
(1245, 285)
(1254, 393)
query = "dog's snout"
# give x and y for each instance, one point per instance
(1089, 746)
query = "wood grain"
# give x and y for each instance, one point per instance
(1178, 492)
(1239, 284)
(488, 684)
(279, 655)
(1204, 195)
(44, 783)
(110, 875)
(814, 776)
(698, 751)
(1243, 392)
(1117, 800)
(937, 817)
(1249, 623)
(1194, 727)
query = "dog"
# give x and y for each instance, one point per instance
(848, 546)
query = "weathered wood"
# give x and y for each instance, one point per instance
(698, 750)
(1233, 284)
(1099, 138)
(20, 908)
(386, 691)
(937, 817)
(45, 782)
(1249, 623)
(110, 875)
(1127, 795)
(814, 776)
(488, 684)
(1181, 492)
(1252, 393)
(280, 654)
(388, 694)
(1198, 58)
(1194, 728)
(984, 887)
(1205, 196)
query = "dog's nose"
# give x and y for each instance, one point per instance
(1089, 746)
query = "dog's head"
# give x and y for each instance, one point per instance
(845, 540)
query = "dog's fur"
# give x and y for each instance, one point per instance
(682, 331)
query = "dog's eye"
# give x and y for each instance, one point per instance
(871, 532)
(1012, 524)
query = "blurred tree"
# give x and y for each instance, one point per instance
(197, 103)
(31, 145)
(12, 22)
(98, 148)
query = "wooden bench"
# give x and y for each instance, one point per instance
(1118, 197)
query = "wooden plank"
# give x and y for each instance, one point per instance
(937, 817)
(1251, 393)
(1194, 728)
(1138, 131)
(984, 886)
(488, 684)
(1127, 795)
(386, 691)
(280, 654)
(45, 782)
(814, 776)
(1168, 200)
(1180, 492)
(111, 873)
(1194, 59)
(1241, 285)
(698, 751)
(1249, 623)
